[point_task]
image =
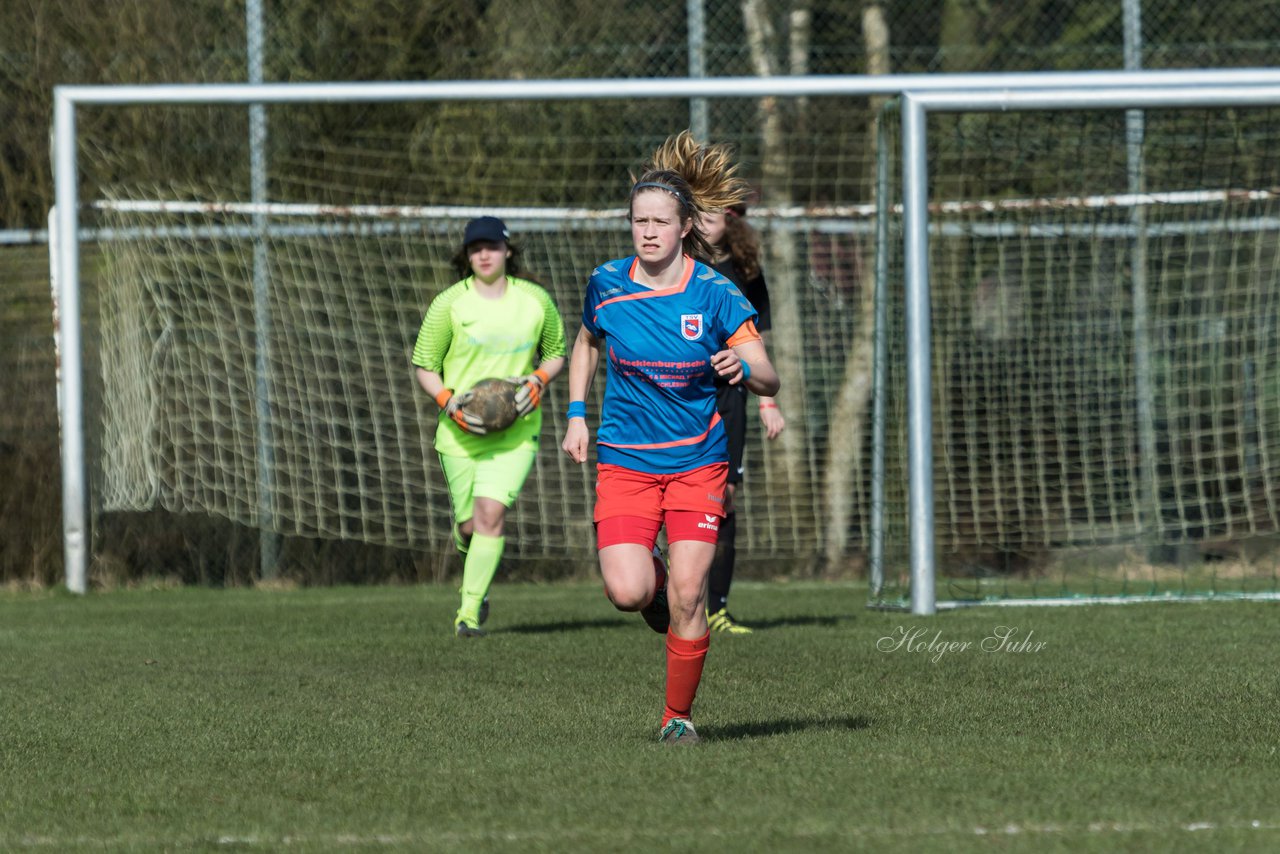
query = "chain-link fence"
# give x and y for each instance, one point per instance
(42, 45)
(155, 41)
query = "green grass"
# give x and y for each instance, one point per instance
(351, 719)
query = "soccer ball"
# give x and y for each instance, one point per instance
(494, 401)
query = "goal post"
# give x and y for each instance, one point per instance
(1243, 499)
(70, 102)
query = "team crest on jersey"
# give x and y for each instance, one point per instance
(691, 326)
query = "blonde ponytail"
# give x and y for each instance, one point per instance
(701, 177)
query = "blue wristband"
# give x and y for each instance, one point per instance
(577, 409)
(746, 371)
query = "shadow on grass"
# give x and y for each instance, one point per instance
(786, 622)
(622, 621)
(765, 729)
(568, 626)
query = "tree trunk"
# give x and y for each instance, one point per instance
(959, 33)
(788, 480)
(850, 414)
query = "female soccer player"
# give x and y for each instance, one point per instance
(736, 248)
(489, 324)
(669, 325)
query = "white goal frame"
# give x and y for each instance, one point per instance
(919, 91)
(915, 109)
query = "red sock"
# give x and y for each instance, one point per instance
(684, 671)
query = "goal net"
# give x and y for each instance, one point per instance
(345, 432)
(1106, 380)
(251, 362)
(1105, 356)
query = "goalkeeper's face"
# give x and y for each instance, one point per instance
(488, 259)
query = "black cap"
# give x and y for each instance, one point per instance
(486, 228)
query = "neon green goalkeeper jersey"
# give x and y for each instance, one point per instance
(466, 338)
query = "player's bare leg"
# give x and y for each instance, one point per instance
(628, 573)
(635, 579)
(690, 561)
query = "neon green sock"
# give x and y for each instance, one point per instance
(477, 573)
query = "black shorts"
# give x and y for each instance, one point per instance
(731, 401)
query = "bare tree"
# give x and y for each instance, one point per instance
(789, 483)
(849, 414)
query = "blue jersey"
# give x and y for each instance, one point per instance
(659, 412)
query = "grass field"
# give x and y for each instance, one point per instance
(351, 719)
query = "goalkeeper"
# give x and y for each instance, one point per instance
(491, 323)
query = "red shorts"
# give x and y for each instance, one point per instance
(691, 503)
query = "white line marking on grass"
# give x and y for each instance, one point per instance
(1115, 827)
(353, 840)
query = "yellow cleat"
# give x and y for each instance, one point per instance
(466, 628)
(723, 621)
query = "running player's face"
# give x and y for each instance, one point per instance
(656, 229)
(712, 223)
(488, 259)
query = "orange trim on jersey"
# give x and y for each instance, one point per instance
(693, 440)
(747, 332)
(655, 292)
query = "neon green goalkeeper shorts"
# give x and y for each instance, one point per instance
(500, 476)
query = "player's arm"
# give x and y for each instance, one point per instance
(582, 372)
(551, 350)
(582, 366)
(451, 405)
(434, 338)
(431, 382)
(551, 346)
(529, 395)
(771, 418)
(762, 379)
(746, 360)
(770, 414)
(553, 367)
(435, 335)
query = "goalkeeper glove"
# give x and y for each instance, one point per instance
(452, 406)
(529, 394)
